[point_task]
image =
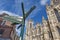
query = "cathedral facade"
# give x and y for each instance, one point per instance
(49, 29)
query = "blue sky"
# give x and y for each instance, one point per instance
(14, 6)
(40, 10)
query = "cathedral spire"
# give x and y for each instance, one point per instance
(43, 19)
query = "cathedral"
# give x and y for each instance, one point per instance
(50, 28)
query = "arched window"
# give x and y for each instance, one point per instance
(57, 14)
(58, 29)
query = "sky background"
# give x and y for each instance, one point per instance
(14, 7)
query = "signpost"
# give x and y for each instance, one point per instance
(25, 15)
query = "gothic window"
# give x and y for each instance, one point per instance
(58, 29)
(56, 11)
(50, 35)
(57, 14)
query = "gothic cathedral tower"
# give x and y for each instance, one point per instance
(53, 13)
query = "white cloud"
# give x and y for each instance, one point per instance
(9, 13)
(43, 2)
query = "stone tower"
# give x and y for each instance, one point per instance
(55, 5)
(53, 13)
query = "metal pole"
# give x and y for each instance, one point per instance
(24, 17)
